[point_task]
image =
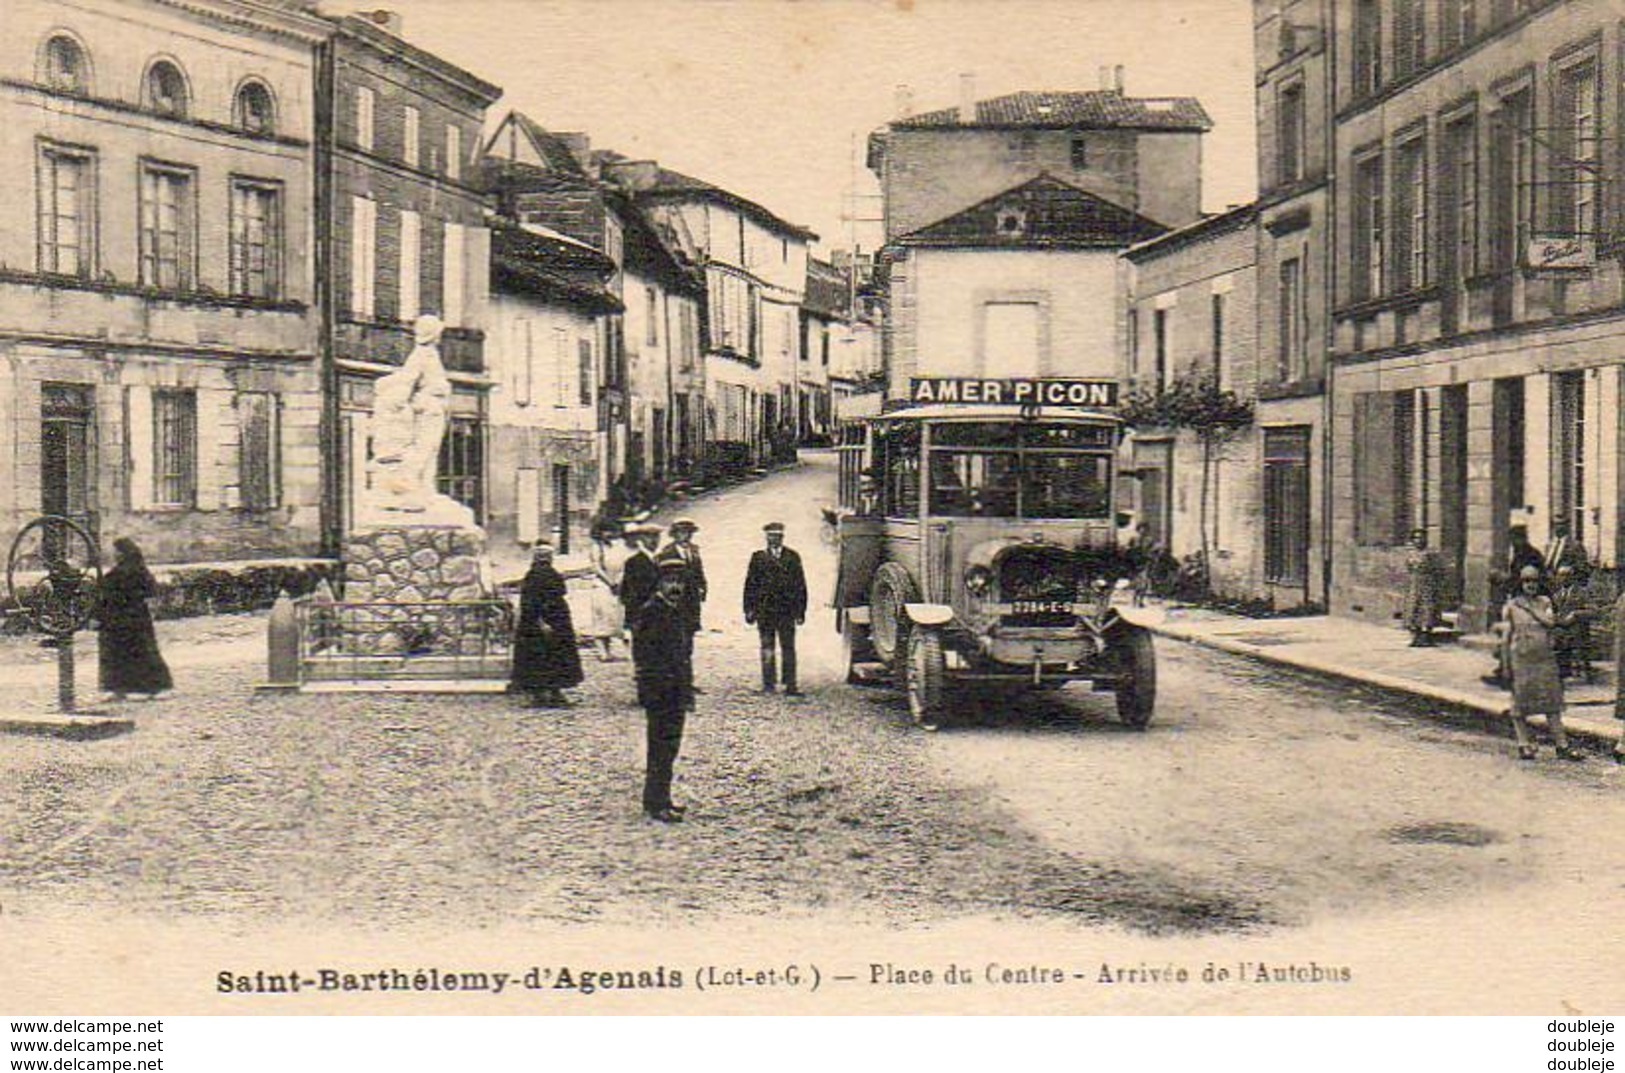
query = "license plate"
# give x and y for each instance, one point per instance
(1040, 607)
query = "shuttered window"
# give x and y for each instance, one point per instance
(256, 239)
(260, 451)
(363, 257)
(168, 228)
(453, 285)
(174, 443)
(67, 212)
(411, 266)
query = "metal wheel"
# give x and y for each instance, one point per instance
(53, 573)
(888, 623)
(1137, 686)
(927, 676)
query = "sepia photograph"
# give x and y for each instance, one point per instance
(714, 507)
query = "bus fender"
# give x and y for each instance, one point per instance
(929, 614)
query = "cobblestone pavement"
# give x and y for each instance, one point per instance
(1257, 802)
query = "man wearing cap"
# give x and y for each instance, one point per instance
(682, 550)
(640, 576)
(776, 603)
(661, 647)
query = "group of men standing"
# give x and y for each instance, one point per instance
(663, 592)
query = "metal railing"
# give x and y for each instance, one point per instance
(463, 640)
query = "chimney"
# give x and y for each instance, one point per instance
(632, 175)
(580, 147)
(385, 19)
(967, 97)
(1117, 78)
(905, 101)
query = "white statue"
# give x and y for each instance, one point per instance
(409, 421)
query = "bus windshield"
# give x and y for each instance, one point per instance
(1029, 471)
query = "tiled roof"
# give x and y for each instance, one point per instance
(1041, 213)
(1232, 219)
(674, 185)
(1064, 109)
(549, 146)
(530, 260)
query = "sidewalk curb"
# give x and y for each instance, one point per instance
(1583, 727)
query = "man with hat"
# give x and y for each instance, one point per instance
(682, 550)
(776, 603)
(639, 576)
(661, 647)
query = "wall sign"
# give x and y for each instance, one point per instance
(936, 389)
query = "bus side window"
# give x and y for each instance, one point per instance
(902, 473)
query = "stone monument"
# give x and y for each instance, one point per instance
(410, 543)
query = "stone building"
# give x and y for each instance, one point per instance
(857, 370)
(651, 377)
(549, 292)
(826, 325)
(1027, 283)
(1003, 218)
(1478, 325)
(1140, 153)
(1193, 317)
(158, 346)
(404, 233)
(1292, 77)
(755, 267)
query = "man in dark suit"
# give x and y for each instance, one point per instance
(640, 576)
(776, 603)
(661, 644)
(683, 550)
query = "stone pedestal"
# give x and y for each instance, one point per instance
(411, 564)
(406, 566)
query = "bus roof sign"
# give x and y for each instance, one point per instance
(938, 389)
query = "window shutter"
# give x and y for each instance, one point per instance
(1374, 454)
(453, 276)
(363, 256)
(213, 412)
(138, 440)
(411, 265)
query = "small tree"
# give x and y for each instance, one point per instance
(1194, 402)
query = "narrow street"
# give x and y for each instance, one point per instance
(1258, 804)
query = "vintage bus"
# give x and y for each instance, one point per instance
(978, 544)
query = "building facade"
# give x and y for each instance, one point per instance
(1294, 100)
(1140, 153)
(1003, 218)
(826, 325)
(549, 293)
(158, 339)
(1478, 322)
(404, 225)
(665, 367)
(755, 268)
(1194, 318)
(1024, 284)
(857, 370)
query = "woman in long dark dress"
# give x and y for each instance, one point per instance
(545, 658)
(128, 650)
